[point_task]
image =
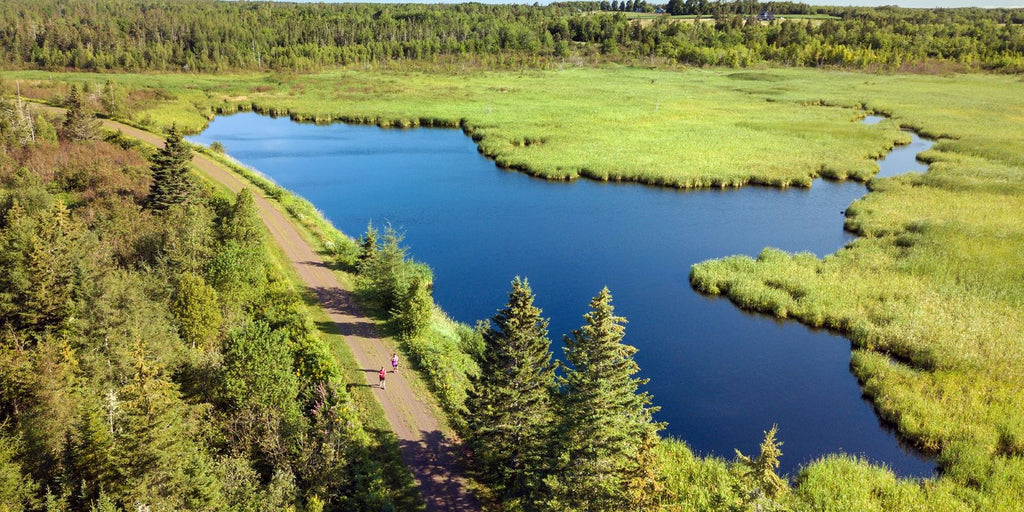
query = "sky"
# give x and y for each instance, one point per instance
(901, 3)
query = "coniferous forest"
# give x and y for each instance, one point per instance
(156, 354)
(204, 36)
(151, 353)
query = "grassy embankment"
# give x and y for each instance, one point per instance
(931, 295)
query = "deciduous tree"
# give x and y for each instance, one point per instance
(196, 309)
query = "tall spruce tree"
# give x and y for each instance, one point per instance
(172, 183)
(510, 416)
(761, 484)
(606, 422)
(242, 223)
(159, 465)
(79, 124)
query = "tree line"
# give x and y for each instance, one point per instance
(197, 35)
(151, 355)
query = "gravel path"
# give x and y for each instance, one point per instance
(425, 449)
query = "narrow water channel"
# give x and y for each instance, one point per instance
(721, 376)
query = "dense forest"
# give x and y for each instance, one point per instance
(204, 35)
(152, 356)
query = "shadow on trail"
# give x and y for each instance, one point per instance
(401, 482)
(432, 462)
(340, 302)
(314, 264)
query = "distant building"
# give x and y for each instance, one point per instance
(659, 10)
(766, 15)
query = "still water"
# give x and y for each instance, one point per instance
(721, 376)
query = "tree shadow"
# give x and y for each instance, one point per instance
(439, 473)
(405, 494)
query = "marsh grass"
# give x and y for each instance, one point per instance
(685, 130)
(932, 294)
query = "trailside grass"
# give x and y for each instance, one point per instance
(932, 294)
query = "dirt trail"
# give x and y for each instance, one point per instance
(425, 449)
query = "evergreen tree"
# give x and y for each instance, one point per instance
(17, 490)
(17, 127)
(761, 482)
(159, 464)
(172, 183)
(45, 132)
(79, 124)
(386, 271)
(510, 403)
(186, 240)
(114, 99)
(368, 244)
(606, 422)
(196, 309)
(414, 309)
(44, 296)
(243, 223)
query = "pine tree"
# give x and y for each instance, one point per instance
(385, 273)
(172, 183)
(17, 489)
(197, 311)
(758, 475)
(79, 124)
(414, 308)
(606, 422)
(510, 403)
(368, 244)
(159, 463)
(243, 223)
(50, 266)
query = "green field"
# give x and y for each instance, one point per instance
(931, 295)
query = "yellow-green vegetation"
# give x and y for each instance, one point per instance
(931, 295)
(693, 129)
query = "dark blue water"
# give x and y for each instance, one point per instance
(721, 376)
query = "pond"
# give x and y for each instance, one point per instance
(721, 376)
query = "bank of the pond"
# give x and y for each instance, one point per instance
(720, 375)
